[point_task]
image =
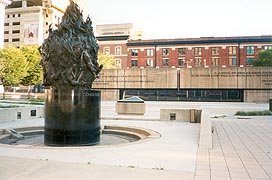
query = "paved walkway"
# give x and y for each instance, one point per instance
(242, 149)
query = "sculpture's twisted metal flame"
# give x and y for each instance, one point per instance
(69, 54)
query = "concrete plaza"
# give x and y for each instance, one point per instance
(241, 149)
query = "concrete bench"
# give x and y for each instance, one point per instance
(187, 115)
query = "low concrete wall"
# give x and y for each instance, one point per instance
(12, 95)
(186, 115)
(130, 108)
(205, 139)
(23, 113)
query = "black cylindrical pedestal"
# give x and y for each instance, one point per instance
(72, 117)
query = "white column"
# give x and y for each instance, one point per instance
(24, 3)
(3, 4)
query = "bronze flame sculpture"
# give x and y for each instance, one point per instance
(70, 65)
(69, 54)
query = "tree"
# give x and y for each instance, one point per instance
(14, 66)
(108, 61)
(264, 58)
(34, 72)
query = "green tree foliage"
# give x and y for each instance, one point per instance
(108, 61)
(14, 66)
(34, 72)
(264, 58)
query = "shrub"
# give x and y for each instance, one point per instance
(254, 113)
(240, 113)
(11, 106)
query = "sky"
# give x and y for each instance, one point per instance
(159, 19)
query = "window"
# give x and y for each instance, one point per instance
(19, 15)
(232, 61)
(106, 50)
(165, 62)
(215, 61)
(181, 51)
(181, 62)
(267, 47)
(118, 63)
(134, 52)
(198, 62)
(15, 31)
(6, 32)
(118, 50)
(46, 23)
(249, 60)
(8, 16)
(16, 23)
(215, 51)
(6, 40)
(250, 49)
(149, 63)
(198, 51)
(165, 51)
(13, 15)
(150, 52)
(15, 40)
(232, 50)
(6, 24)
(134, 63)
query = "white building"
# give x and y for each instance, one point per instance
(27, 21)
(3, 4)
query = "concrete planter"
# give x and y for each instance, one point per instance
(132, 105)
(130, 108)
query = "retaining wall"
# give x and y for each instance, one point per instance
(21, 113)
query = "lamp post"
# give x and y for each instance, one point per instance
(3, 4)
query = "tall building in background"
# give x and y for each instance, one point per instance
(3, 4)
(27, 21)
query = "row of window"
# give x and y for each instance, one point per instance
(250, 50)
(13, 40)
(14, 24)
(13, 32)
(13, 15)
(197, 62)
(226, 95)
(118, 50)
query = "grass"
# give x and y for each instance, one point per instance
(11, 106)
(31, 101)
(254, 113)
(36, 101)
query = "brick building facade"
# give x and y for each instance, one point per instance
(195, 52)
(113, 38)
(115, 46)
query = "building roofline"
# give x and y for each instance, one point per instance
(112, 38)
(201, 40)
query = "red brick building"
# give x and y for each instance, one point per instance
(112, 40)
(119, 41)
(115, 46)
(195, 52)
